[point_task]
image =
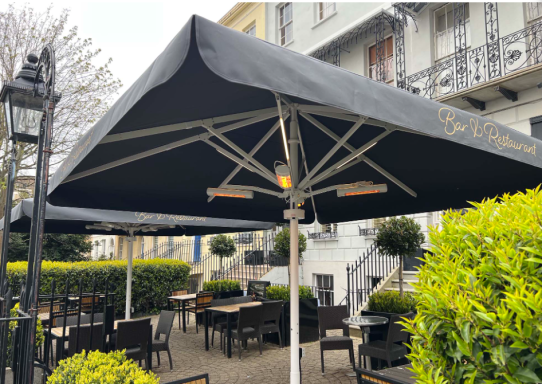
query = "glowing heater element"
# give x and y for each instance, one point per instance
(237, 193)
(354, 190)
(283, 176)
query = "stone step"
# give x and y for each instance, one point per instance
(406, 283)
(405, 289)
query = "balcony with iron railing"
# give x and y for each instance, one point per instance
(323, 235)
(517, 52)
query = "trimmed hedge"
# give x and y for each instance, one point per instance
(153, 280)
(282, 292)
(392, 302)
(221, 285)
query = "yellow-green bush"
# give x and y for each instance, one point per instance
(153, 280)
(480, 296)
(282, 292)
(392, 302)
(221, 285)
(100, 368)
(40, 337)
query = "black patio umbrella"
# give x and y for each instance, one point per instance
(207, 121)
(98, 221)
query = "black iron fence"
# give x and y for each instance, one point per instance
(323, 235)
(58, 313)
(364, 276)
(511, 53)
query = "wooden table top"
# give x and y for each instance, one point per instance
(233, 307)
(57, 331)
(183, 297)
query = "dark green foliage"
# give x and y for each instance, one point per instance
(221, 285)
(222, 246)
(282, 292)
(282, 243)
(480, 296)
(399, 237)
(56, 247)
(392, 302)
(153, 280)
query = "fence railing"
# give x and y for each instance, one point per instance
(322, 235)
(364, 276)
(466, 69)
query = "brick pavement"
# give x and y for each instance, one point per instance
(190, 358)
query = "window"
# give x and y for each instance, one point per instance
(155, 246)
(286, 24)
(112, 248)
(388, 61)
(324, 285)
(536, 127)
(534, 11)
(170, 246)
(142, 246)
(121, 244)
(251, 30)
(104, 251)
(444, 30)
(325, 10)
(96, 249)
(328, 228)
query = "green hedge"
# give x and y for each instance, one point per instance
(221, 285)
(153, 280)
(282, 292)
(392, 302)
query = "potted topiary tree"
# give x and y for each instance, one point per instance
(399, 237)
(222, 246)
(282, 245)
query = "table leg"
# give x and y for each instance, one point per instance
(184, 316)
(205, 321)
(149, 351)
(228, 322)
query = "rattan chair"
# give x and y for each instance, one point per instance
(84, 339)
(203, 300)
(165, 323)
(398, 375)
(218, 320)
(330, 318)
(271, 318)
(393, 347)
(200, 379)
(134, 337)
(248, 326)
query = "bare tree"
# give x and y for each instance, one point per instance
(87, 89)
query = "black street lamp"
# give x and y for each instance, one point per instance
(29, 103)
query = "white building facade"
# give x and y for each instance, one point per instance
(485, 58)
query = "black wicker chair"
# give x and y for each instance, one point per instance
(84, 339)
(165, 323)
(218, 320)
(330, 318)
(199, 379)
(389, 350)
(271, 318)
(248, 326)
(134, 337)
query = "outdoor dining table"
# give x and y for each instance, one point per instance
(182, 300)
(56, 333)
(364, 322)
(228, 310)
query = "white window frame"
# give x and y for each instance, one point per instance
(142, 246)
(170, 246)
(251, 28)
(449, 31)
(322, 290)
(281, 26)
(323, 11)
(155, 246)
(121, 245)
(531, 5)
(390, 61)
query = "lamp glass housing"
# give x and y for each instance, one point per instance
(23, 114)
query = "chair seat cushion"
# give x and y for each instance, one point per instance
(221, 327)
(336, 342)
(247, 331)
(136, 353)
(159, 345)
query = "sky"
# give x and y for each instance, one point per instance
(133, 33)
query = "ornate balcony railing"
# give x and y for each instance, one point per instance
(368, 231)
(323, 235)
(506, 55)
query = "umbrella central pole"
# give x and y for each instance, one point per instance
(130, 240)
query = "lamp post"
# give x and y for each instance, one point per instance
(29, 103)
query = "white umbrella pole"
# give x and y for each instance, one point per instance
(294, 302)
(129, 275)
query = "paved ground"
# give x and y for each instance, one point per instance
(190, 358)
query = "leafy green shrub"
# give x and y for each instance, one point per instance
(480, 296)
(153, 279)
(282, 243)
(100, 368)
(222, 246)
(40, 337)
(221, 285)
(282, 292)
(392, 302)
(399, 237)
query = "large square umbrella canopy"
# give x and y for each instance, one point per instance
(210, 112)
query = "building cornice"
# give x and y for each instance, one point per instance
(234, 12)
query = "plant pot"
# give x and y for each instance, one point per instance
(228, 294)
(308, 323)
(380, 332)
